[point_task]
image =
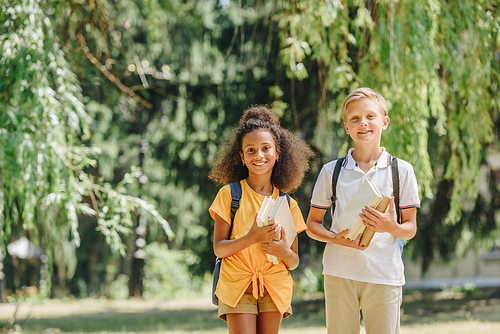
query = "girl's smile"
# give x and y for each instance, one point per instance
(259, 153)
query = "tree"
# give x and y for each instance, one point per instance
(434, 72)
(45, 164)
(173, 77)
(440, 77)
(164, 81)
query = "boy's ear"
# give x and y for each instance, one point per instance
(346, 128)
(386, 122)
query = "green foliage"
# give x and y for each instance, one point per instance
(311, 281)
(118, 289)
(41, 121)
(439, 76)
(167, 273)
(100, 94)
(197, 66)
(467, 289)
(44, 162)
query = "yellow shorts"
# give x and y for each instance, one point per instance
(248, 304)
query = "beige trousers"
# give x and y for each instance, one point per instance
(380, 305)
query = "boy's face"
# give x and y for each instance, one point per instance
(365, 121)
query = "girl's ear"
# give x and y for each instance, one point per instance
(278, 151)
(242, 158)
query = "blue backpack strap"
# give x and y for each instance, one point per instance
(235, 202)
(395, 190)
(287, 196)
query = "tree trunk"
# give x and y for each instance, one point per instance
(2, 278)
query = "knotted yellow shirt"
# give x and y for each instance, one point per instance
(250, 265)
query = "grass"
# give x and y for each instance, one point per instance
(423, 312)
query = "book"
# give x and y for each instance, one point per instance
(368, 234)
(367, 194)
(277, 211)
(282, 215)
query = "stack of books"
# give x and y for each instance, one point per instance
(277, 211)
(367, 194)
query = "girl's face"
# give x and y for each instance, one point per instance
(259, 152)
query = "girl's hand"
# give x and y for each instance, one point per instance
(278, 248)
(260, 235)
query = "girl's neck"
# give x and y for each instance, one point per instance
(261, 186)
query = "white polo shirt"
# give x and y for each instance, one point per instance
(381, 262)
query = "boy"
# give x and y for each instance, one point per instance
(358, 277)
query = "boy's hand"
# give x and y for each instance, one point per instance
(378, 221)
(340, 239)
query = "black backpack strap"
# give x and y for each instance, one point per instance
(235, 202)
(395, 186)
(395, 190)
(335, 178)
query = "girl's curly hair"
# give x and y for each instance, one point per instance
(294, 153)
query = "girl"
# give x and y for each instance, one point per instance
(254, 294)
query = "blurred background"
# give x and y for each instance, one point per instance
(111, 113)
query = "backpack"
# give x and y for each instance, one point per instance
(395, 187)
(235, 204)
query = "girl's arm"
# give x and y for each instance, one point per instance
(224, 247)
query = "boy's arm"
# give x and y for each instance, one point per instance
(385, 222)
(317, 231)
(408, 227)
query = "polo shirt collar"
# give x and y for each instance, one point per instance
(383, 162)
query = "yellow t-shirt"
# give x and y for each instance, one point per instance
(250, 265)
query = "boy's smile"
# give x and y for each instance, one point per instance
(365, 121)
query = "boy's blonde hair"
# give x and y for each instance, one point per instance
(362, 93)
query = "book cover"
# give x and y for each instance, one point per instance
(367, 194)
(282, 215)
(368, 234)
(262, 220)
(264, 211)
(277, 211)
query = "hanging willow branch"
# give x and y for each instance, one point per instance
(391, 45)
(126, 90)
